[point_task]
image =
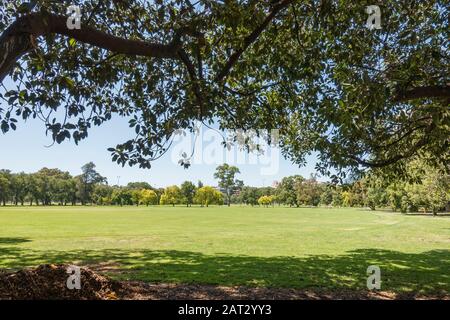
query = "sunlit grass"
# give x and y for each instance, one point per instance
(281, 247)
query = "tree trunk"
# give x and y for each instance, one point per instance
(12, 48)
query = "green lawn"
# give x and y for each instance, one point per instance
(277, 247)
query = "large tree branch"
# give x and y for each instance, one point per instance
(423, 92)
(251, 38)
(403, 136)
(16, 40)
(399, 156)
(194, 79)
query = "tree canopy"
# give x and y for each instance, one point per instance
(359, 97)
(226, 179)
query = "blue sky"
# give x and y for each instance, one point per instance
(28, 150)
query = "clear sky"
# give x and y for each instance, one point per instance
(28, 150)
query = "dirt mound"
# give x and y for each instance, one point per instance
(50, 282)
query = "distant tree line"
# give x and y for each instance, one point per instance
(428, 190)
(48, 186)
(53, 186)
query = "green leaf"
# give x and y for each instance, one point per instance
(72, 42)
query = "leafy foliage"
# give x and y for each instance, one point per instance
(172, 195)
(266, 200)
(188, 190)
(227, 182)
(148, 197)
(359, 98)
(208, 195)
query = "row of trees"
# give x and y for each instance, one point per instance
(49, 186)
(187, 193)
(428, 190)
(141, 193)
(53, 186)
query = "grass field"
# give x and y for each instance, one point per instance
(275, 247)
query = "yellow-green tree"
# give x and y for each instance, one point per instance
(172, 195)
(208, 195)
(148, 197)
(266, 200)
(136, 197)
(347, 199)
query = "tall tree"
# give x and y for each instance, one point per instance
(5, 186)
(188, 192)
(285, 190)
(227, 182)
(87, 180)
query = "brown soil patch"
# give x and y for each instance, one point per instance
(49, 282)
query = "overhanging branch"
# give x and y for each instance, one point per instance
(423, 92)
(251, 38)
(399, 156)
(16, 40)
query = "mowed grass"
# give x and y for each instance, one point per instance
(274, 247)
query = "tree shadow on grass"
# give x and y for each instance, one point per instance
(13, 240)
(426, 272)
(428, 214)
